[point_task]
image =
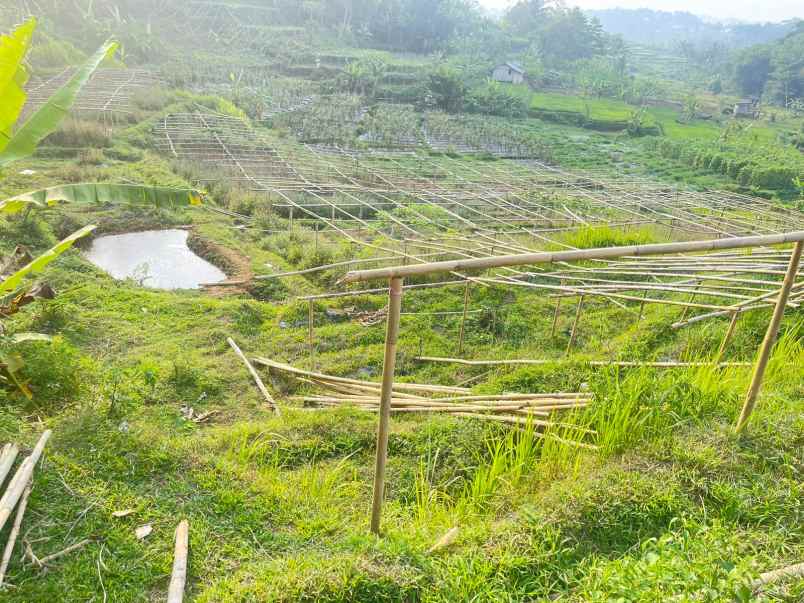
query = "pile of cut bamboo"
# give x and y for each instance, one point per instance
(17, 492)
(517, 409)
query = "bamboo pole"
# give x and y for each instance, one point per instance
(15, 530)
(621, 363)
(21, 479)
(463, 318)
(404, 387)
(255, 375)
(7, 458)
(310, 326)
(727, 337)
(389, 364)
(574, 332)
(770, 338)
(556, 315)
(178, 578)
(642, 306)
(572, 256)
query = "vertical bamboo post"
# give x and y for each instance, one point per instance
(692, 299)
(642, 307)
(310, 327)
(770, 337)
(290, 220)
(556, 316)
(727, 337)
(575, 325)
(389, 365)
(463, 318)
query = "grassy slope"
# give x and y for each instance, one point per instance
(278, 507)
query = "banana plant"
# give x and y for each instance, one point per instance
(11, 361)
(18, 143)
(22, 142)
(102, 193)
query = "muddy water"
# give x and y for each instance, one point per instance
(158, 259)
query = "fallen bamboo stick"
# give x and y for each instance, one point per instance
(534, 410)
(15, 530)
(785, 573)
(255, 375)
(445, 541)
(356, 389)
(7, 458)
(178, 578)
(668, 364)
(408, 387)
(21, 479)
(498, 399)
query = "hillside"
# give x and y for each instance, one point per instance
(599, 397)
(662, 28)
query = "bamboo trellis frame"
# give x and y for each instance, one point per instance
(396, 275)
(108, 91)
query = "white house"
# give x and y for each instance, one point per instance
(509, 72)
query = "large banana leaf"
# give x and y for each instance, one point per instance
(48, 117)
(13, 76)
(101, 194)
(10, 283)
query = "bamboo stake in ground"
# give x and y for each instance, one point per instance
(15, 530)
(255, 376)
(21, 479)
(178, 579)
(389, 365)
(463, 319)
(310, 326)
(556, 315)
(727, 338)
(574, 332)
(770, 338)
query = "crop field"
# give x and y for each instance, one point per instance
(536, 345)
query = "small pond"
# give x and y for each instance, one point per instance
(158, 259)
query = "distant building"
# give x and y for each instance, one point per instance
(511, 73)
(747, 107)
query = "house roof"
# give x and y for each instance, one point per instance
(515, 66)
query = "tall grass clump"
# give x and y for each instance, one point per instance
(520, 454)
(80, 133)
(592, 237)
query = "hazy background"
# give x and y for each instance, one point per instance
(744, 10)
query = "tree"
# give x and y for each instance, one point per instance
(447, 87)
(570, 35)
(752, 70)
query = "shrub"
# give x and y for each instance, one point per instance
(78, 133)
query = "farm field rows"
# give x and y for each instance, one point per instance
(589, 424)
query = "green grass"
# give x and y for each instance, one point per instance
(671, 504)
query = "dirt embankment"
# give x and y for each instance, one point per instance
(236, 266)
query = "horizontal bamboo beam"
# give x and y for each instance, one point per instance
(538, 362)
(571, 256)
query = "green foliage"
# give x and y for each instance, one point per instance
(47, 118)
(591, 237)
(77, 133)
(763, 166)
(13, 76)
(9, 283)
(447, 88)
(101, 194)
(494, 98)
